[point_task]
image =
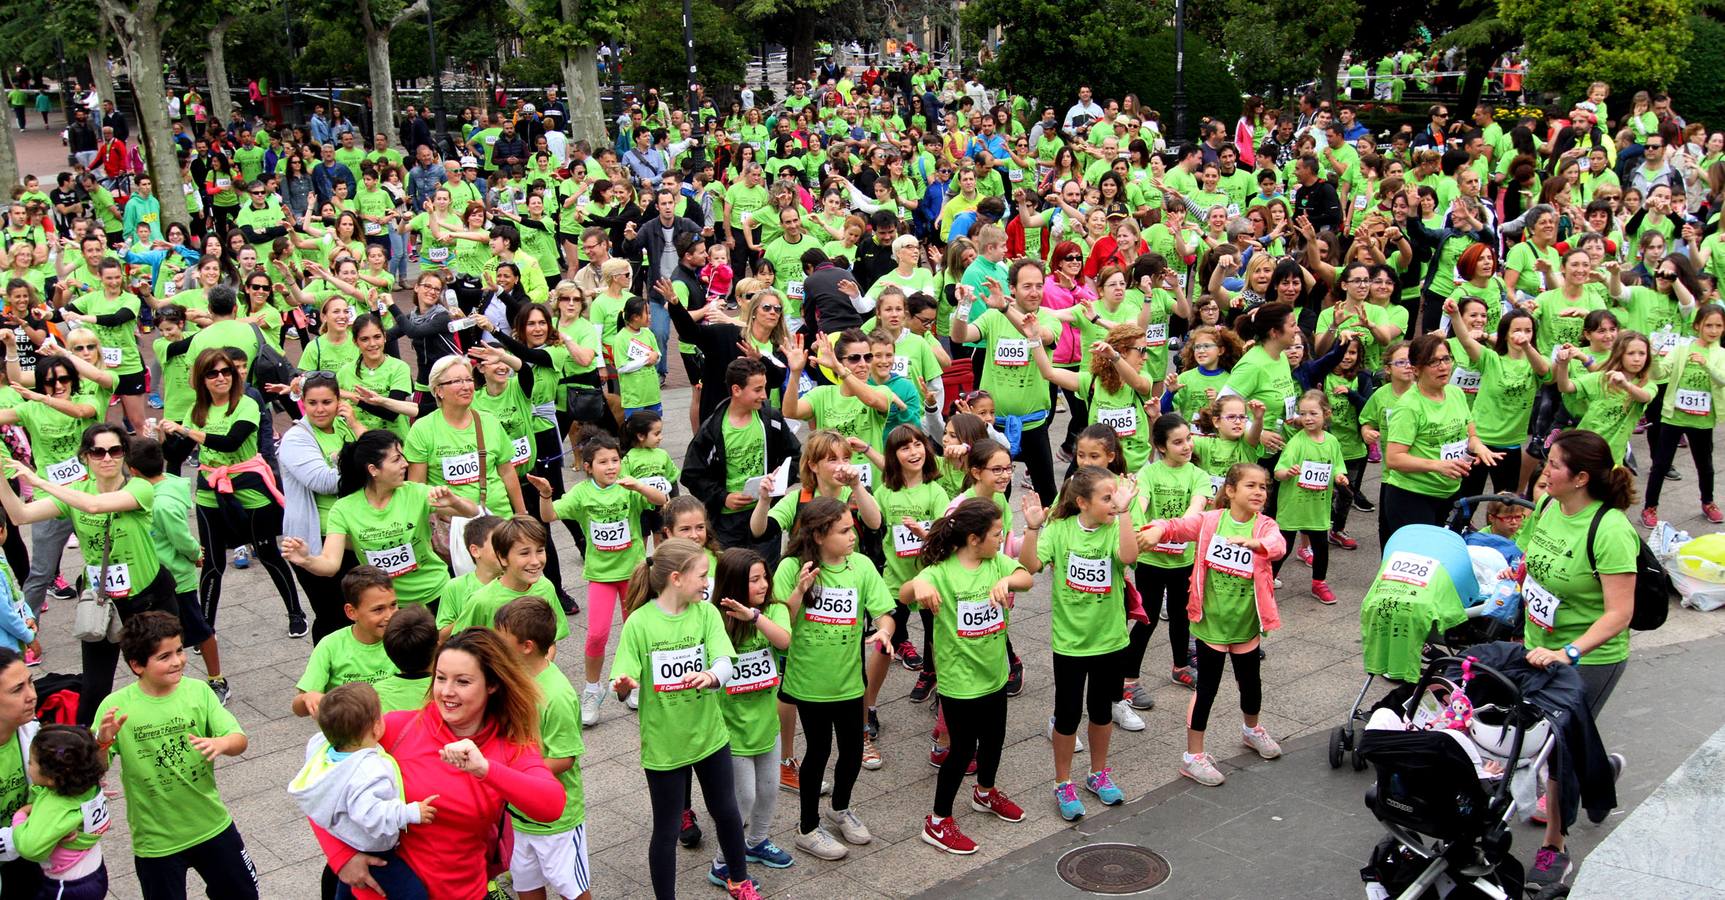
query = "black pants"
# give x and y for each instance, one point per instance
(1086, 684)
(1665, 452)
(222, 862)
(1548, 414)
(1161, 588)
(977, 728)
(901, 621)
(1505, 476)
(1343, 502)
(176, 449)
(1038, 460)
(222, 219)
(667, 792)
(100, 657)
(742, 255)
(1320, 551)
(822, 724)
(1398, 507)
(1077, 409)
(1247, 676)
(220, 528)
(17, 552)
(324, 595)
(19, 879)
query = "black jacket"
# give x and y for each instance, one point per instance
(650, 238)
(1319, 203)
(874, 259)
(705, 470)
(828, 309)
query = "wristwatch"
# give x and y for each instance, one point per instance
(1573, 652)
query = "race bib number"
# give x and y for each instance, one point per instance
(1541, 604)
(119, 580)
(1409, 568)
(95, 813)
(1091, 576)
(65, 472)
(1453, 450)
(658, 483)
(1360, 202)
(1015, 175)
(463, 469)
(437, 255)
(171, 287)
(394, 561)
(1172, 548)
(905, 542)
(111, 356)
(901, 366)
(223, 184)
(1216, 482)
(1695, 403)
(1156, 334)
(756, 671)
(1226, 556)
(1664, 342)
(373, 228)
(669, 667)
(1315, 476)
(609, 535)
(1466, 379)
(1123, 421)
(865, 474)
(523, 449)
(1012, 352)
(794, 290)
(979, 618)
(831, 606)
(638, 351)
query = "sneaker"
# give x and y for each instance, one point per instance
(1260, 741)
(633, 701)
(1539, 815)
(871, 724)
(768, 854)
(1364, 505)
(871, 754)
(590, 701)
(1077, 747)
(1711, 511)
(1683, 442)
(243, 557)
(744, 890)
(690, 836)
(1305, 555)
(1278, 583)
(937, 757)
(33, 659)
(907, 656)
(1650, 516)
(1202, 769)
(821, 845)
(1070, 806)
(1673, 475)
(1100, 784)
(1184, 676)
(72, 539)
(720, 875)
(850, 827)
(570, 607)
(1162, 612)
(1617, 762)
(296, 626)
(1373, 453)
(923, 689)
(62, 590)
(1015, 678)
(1641, 427)
(1341, 539)
(997, 803)
(1138, 694)
(222, 689)
(1550, 866)
(1125, 718)
(790, 780)
(1321, 590)
(154, 400)
(946, 836)
(495, 891)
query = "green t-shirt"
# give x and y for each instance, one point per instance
(342, 658)
(513, 411)
(849, 416)
(396, 539)
(751, 706)
(171, 798)
(969, 633)
(1166, 492)
(1271, 381)
(1303, 502)
(1430, 430)
(222, 420)
(1344, 416)
(1508, 386)
(1121, 409)
(745, 453)
(1216, 455)
(390, 376)
(786, 258)
(1562, 595)
(119, 342)
(223, 334)
(640, 387)
(1009, 373)
(398, 693)
(453, 600)
(451, 458)
(559, 738)
(1410, 588)
(1089, 609)
(176, 388)
(652, 467)
(611, 516)
(1609, 413)
(903, 549)
(132, 563)
(54, 439)
(679, 726)
(481, 606)
(1230, 604)
(823, 663)
(1553, 327)
(1194, 384)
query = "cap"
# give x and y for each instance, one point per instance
(468, 162)
(528, 107)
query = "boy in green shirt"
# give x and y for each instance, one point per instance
(354, 653)
(178, 550)
(410, 640)
(453, 600)
(518, 545)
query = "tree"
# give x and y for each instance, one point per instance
(1623, 42)
(1286, 43)
(139, 25)
(657, 39)
(377, 18)
(1695, 90)
(216, 66)
(795, 19)
(8, 151)
(578, 26)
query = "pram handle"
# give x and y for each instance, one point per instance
(1467, 504)
(1478, 668)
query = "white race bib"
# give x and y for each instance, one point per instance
(1216, 482)
(1091, 576)
(1156, 334)
(1315, 476)
(756, 671)
(831, 605)
(463, 469)
(1227, 556)
(905, 541)
(1015, 175)
(609, 535)
(979, 618)
(223, 184)
(437, 255)
(1664, 341)
(1466, 379)
(394, 561)
(1173, 548)
(1410, 568)
(65, 472)
(373, 228)
(794, 290)
(1012, 352)
(865, 474)
(669, 666)
(638, 351)
(95, 813)
(111, 356)
(1695, 403)
(119, 583)
(1541, 604)
(1453, 450)
(1123, 421)
(658, 483)
(1290, 408)
(901, 366)
(1360, 202)
(523, 449)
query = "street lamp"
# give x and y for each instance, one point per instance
(1179, 72)
(699, 153)
(436, 76)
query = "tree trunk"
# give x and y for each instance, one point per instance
(382, 85)
(140, 26)
(1473, 84)
(581, 91)
(8, 159)
(800, 50)
(1329, 65)
(216, 66)
(100, 78)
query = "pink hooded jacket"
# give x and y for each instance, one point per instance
(1201, 527)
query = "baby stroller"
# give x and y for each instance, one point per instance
(1428, 593)
(1445, 757)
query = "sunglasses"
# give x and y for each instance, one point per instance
(770, 307)
(261, 286)
(859, 357)
(220, 373)
(319, 373)
(114, 452)
(51, 381)
(1072, 257)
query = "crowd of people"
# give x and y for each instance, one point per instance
(881, 291)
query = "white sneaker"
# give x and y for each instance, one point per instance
(821, 845)
(1078, 747)
(1202, 769)
(1259, 740)
(851, 827)
(590, 701)
(1125, 718)
(634, 700)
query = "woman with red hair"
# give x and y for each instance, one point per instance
(1065, 286)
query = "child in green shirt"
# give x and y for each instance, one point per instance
(453, 601)
(410, 640)
(354, 653)
(519, 548)
(67, 813)
(636, 353)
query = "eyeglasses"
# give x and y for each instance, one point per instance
(220, 373)
(51, 380)
(455, 382)
(114, 452)
(1666, 276)
(1442, 361)
(1357, 281)
(1204, 346)
(769, 307)
(858, 357)
(998, 470)
(1141, 348)
(1234, 417)
(927, 321)
(1400, 364)
(84, 348)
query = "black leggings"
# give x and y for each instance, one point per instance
(821, 723)
(1320, 541)
(1246, 676)
(1159, 586)
(1665, 451)
(1086, 683)
(1399, 506)
(218, 530)
(901, 621)
(1038, 460)
(666, 791)
(100, 657)
(17, 554)
(977, 728)
(324, 594)
(1343, 502)
(1505, 476)
(1077, 410)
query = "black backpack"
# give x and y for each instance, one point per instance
(1653, 587)
(269, 366)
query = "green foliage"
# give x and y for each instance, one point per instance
(659, 60)
(1695, 90)
(32, 32)
(1283, 43)
(1631, 44)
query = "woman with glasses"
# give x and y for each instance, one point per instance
(1114, 387)
(1430, 443)
(237, 498)
(442, 448)
(427, 327)
(310, 478)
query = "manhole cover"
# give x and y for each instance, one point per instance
(1113, 869)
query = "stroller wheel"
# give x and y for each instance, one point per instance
(1336, 747)
(1358, 760)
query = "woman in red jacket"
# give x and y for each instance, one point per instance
(475, 746)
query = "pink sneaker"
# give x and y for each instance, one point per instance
(1711, 511)
(1305, 555)
(1373, 454)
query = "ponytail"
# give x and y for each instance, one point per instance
(952, 532)
(672, 555)
(1587, 453)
